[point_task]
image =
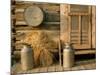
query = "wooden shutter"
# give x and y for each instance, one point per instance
(80, 27)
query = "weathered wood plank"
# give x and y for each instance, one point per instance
(43, 69)
(85, 52)
(51, 69)
(22, 22)
(90, 28)
(51, 23)
(59, 68)
(79, 65)
(88, 67)
(77, 46)
(76, 68)
(64, 10)
(22, 5)
(66, 69)
(42, 27)
(84, 65)
(19, 10)
(78, 14)
(19, 16)
(35, 70)
(80, 28)
(93, 26)
(44, 6)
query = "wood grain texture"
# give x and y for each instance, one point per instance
(80, 28)
(58, 68)
(64, 10)
(80, 65)
(51, 68)
(93, 26)
(43, 69)
(56, 23)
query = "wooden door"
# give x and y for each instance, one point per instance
(80, 26)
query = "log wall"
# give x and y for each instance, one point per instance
(50, 25)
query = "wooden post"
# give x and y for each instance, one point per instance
(64, 18)
(80, 30)
(60, 52)
(63, 26)
(93, 26)
(90, 25)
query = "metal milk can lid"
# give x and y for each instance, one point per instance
(67, 46)
(26, 48)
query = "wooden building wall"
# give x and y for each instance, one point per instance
(77, 25)
(50, 25)
(57, 24)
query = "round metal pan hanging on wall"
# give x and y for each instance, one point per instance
(33, 16)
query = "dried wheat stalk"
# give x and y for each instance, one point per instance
(41, 45)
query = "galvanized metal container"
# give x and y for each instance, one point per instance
(26, 58)
(68, 56)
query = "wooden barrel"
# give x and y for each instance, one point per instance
(33, 16)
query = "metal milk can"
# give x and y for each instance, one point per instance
(26, 57)
(68, 56)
